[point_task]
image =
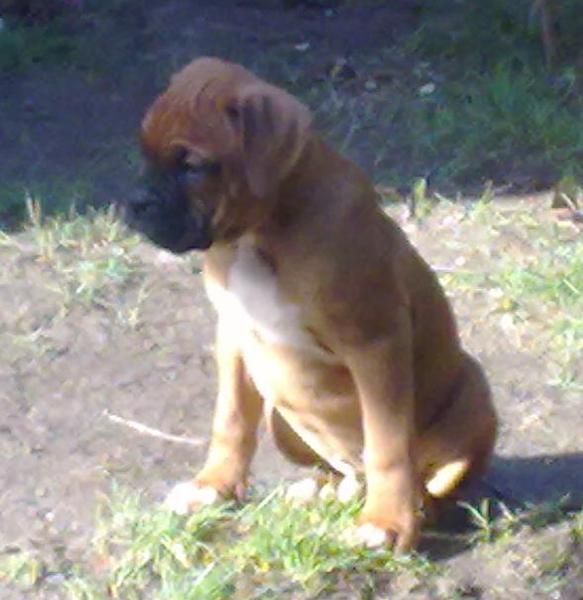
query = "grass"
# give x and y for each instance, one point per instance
(501, 120)
(266, 549)
(507, 124)
(526, 265)
(497, 110)
(535, 284)
(24, 46)
(90, 254)
(494, 522)
(494, 111)
(23, 569)
(484, 33)
(465, 99)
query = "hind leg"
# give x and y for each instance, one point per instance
(289, 443)
(457, 446)
(326, 482)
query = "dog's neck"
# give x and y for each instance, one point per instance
(304, 201)
(305, 194)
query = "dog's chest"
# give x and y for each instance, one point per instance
(263, 322)
(252, 302)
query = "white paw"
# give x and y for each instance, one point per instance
(348, 489)
(186, 496)
(303, 491)
(370, 535)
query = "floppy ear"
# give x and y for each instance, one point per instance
(272, 128)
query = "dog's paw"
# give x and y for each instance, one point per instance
(378, 526)
(348, 489)
(303, 491)
(371, 536)
(187, 496)
(307, 490)
(398, 532)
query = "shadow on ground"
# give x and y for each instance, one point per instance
(538, 479)
(541, 490)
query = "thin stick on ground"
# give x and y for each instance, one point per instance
(145, 430)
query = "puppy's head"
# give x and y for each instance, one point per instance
(218, 144)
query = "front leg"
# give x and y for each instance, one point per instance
(382, 371)
(234, 436)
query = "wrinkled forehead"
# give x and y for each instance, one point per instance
(191, 113)
(170, 127)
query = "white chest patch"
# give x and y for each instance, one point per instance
(253, 302)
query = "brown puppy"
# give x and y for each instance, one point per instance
(329, 322)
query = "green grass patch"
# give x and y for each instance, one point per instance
(89, 254)
(501, 121)
(483, 33)
(479, 102)
(23, 46)
(267, 549)
(554, 276)
(507, 124)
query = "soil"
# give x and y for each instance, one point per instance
(62, 375)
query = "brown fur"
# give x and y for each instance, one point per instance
(382, 381)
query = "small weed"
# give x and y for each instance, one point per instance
(495, 522)
(482, 519)
(578, 527)
(129, 316)
(420, 203)
(539, 516)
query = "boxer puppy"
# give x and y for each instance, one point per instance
(329, 323)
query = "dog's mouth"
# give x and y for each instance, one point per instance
(199, 237)
(167, 211)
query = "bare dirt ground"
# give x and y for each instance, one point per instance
(78, 346)
(139, 346)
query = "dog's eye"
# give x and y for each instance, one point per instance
(201, 169)
(207, 168)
